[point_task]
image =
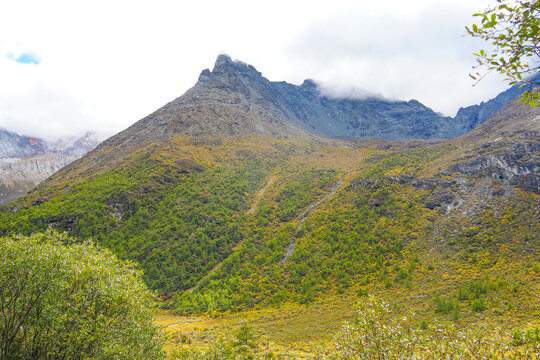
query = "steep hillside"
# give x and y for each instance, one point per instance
(470, 117)
(423, 225)
(231, 202)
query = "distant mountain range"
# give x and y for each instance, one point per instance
(234, 99)
(26, 161)
(15, 146)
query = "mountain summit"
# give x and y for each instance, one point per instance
(232, 99)
(235, 99)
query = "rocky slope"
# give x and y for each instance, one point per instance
(18, 177)
(76, 145)
(507, 148)
(235, 99)
(470, 117)
(13, 146)
(27, 161)
(498, 158)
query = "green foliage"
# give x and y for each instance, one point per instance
(533, 335)
(411, 160)
(376, 334)
(445, 306)
(300, 190)
(478, 305)
(346, 241)
(222, 231)
(513, 28)
(176, 224)
(65, 300)
(245, 341)
(474, 290)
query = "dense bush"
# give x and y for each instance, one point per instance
(65, 300)
(176, 223)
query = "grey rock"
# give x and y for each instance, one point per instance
(20, 176)
(13, 146)
(514, 163)
(235, 99)
(470, 117)
(26, 161)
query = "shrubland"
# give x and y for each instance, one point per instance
(211, 227)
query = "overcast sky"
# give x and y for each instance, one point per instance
(70, 66)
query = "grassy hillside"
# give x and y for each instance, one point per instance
(293, 232)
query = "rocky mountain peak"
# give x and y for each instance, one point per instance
(310, 85)
(226, 69)
(235, 99)
(223, 60)
(224, 64)
(13, 145)
(26, 161)
(230, 76)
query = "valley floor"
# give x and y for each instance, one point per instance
(294, 328)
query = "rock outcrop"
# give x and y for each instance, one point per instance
(470, 117)
(20, 176)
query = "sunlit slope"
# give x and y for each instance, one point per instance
(447, 228)
(178, 207)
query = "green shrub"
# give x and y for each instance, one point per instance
(445, 306)
(478, 305)
(65, 300)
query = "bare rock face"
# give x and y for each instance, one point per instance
(13, 146)
(231, 100)
(22, 175)
(507, 148)
(510, 162)
(27, 161)
(493, 161)
(470, 117)
(77, 145)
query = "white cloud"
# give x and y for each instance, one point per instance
(106, 64)
(421, 55)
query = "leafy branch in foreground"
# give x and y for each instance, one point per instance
(65, 300)
(513, 28)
